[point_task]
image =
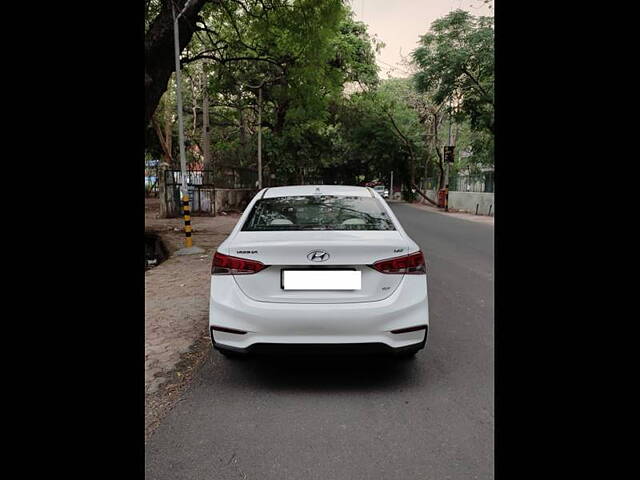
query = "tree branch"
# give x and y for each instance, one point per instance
(161, 138)
(484, 92)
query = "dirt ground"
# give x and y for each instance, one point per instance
(176, 309)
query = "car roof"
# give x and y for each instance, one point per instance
(303, 190)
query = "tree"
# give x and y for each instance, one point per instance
(302, 52)
(159, 60)
(326, 117)
(455, 61)
(376, 132)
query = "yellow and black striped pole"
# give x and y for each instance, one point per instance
(186, 212)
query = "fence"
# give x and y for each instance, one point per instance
(151, 178)
(151, 186)
(430, 183)
(480, 183)
(226, 176)
(205, 186)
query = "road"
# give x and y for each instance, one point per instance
(359, 418)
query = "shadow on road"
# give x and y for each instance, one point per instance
(320, 373)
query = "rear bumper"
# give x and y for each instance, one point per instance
(320, 348)
(307, 327)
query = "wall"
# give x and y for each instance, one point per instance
(467, 201)
(204, 199)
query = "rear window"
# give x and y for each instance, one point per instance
(326, 212)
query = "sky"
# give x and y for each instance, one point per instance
(400, 23)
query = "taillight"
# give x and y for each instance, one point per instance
(407, 265)
(226, 265)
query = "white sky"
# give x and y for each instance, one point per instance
(400, 23)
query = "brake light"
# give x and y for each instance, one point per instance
(227, 265)
(407, 265)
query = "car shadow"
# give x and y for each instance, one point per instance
(322, 373)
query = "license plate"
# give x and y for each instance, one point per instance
(321, 279)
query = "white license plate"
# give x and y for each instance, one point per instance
(321, 279)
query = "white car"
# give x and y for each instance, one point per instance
(382, 190)
(311, 269)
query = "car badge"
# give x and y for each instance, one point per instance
(318, 256)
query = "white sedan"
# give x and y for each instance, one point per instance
(311, 269)
(382, 190)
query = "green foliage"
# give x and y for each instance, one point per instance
(326, 116)
(456, 61)
(303, 53)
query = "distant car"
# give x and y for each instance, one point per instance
(316, 268)
(382, 191)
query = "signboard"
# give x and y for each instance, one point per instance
(448, 153)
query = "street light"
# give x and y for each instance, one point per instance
(259, 87)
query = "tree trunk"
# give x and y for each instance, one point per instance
(281, 114)
(162, 189)
(437, 147)
(425, 196)
(168, 132)
(243, 130)
(159, 61)
(412, 171)
(407, 142)
(165, 164)
(440, 176)
(206, 140)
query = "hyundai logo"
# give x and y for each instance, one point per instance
(318, 256)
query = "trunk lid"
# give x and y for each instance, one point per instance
(346, 249)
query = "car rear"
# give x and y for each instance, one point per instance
(318, 266)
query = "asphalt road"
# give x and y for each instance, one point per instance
(356, 418)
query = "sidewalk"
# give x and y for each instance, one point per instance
(463, 216)
(176, 308)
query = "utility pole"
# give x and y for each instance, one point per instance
(188, 242)
(259, 87)
(176, 45)
(260, 137)
(206, 148)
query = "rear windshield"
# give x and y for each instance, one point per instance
(326, 212)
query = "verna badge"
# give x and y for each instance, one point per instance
(318, 256)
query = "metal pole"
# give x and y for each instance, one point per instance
(446, 182)
(176, 45)
(188, 242)
(391, 186)
(260, 137)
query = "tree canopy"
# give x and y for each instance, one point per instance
(455, 62)
(326, 115)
